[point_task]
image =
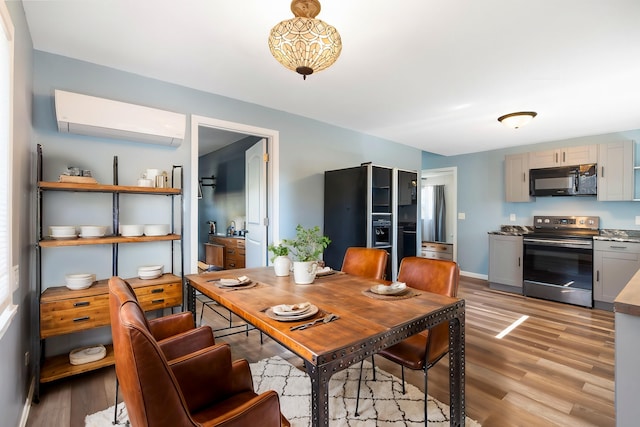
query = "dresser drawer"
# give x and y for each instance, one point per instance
(159, 296)
(73, 314)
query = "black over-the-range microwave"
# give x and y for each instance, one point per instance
(578, 180)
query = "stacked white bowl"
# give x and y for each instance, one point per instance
(63, 231)
(79, 281)
(92, 230)
(156, 229)
(131, 230)
(147, 272)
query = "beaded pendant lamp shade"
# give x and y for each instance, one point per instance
(305, 44)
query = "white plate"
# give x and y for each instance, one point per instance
(395, 288)
(291, 309)
(63, 236)
(324, 271)
(86, 236)
(309, 313)
(230, 281)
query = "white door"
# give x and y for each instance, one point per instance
(256, 204)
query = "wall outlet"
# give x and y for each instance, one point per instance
(512, 217)
(461, 215)
(637, 220)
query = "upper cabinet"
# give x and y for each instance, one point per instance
(516, 173)
(615, 171)
(582, 154)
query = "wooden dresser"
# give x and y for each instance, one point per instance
(234, 251)
(437, 250)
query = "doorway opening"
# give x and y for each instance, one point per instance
(271, 195)
(439, 199)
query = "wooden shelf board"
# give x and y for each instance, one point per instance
(58, 367)
(54, 243)
(104, 188)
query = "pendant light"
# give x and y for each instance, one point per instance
(304, 44)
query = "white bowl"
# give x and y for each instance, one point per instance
(150, 268)
(156, 229)
(131, 230)
(62, 230)
(147, 276)
(92, 230)
(79, 280)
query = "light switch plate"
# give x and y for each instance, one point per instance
(637, 220)
(512, 217)
(461, 215)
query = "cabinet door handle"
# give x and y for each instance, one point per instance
(597, 275)
(602, 172)
(524, 177)
(81, 303)
(81, 319)
(556, 157)
(617, 247)
(157, 301)
(564, 157)
(157, 291)
(518, 261)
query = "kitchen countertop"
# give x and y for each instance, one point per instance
(628, 300)
(606, 234)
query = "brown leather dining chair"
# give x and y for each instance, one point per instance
(423, 350)
(365, 262)
(164, 385)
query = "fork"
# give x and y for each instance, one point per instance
(326, 319)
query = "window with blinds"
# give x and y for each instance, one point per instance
(7, 309)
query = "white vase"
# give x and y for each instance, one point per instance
(304, 273)
(282, 265)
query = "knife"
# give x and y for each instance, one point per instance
(325, 319)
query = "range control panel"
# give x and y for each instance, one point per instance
(567, 222)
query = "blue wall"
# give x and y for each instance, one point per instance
(481, 196)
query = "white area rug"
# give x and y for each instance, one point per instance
(382, 403)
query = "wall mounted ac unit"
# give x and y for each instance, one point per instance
(89, 115)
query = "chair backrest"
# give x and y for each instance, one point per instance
(148, 386)
(440, 277)
(370, 263)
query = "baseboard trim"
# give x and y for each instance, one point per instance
(27, 404)
(474, 275)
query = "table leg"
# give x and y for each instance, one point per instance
(319, 395)
(456, 369)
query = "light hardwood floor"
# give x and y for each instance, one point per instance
(555, 369)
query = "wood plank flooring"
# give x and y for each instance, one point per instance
(555, 369)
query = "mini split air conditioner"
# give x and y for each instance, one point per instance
(89, 115)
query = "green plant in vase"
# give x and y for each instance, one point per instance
(308, 244)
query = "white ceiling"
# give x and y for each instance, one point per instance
(433, 74)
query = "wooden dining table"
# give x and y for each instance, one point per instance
(367, 323)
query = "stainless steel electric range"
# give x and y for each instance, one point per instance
(558, 259)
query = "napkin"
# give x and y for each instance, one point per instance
(234, 281)
(291, 308)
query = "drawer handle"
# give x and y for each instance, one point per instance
(81, 319)
(231, 264)
(157, 291)
(157, 301)
(81, 304)
(618, 247)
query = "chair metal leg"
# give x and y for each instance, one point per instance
(402, 370)
(426, 421)
(373, 366)
(115, 406)
(358, 394)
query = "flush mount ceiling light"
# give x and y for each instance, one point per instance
(304, 44)
(517, 120)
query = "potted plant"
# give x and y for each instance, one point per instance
(280, 259)
(306, 249)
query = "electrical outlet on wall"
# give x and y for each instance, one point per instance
(461, 215)
(512, 217)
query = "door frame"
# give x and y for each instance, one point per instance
(273, 195)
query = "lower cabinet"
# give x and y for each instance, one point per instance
(63, 311)
(437, 250)
(234, 251)
(505, 262)
(614, 263)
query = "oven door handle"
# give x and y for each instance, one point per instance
(587, 244)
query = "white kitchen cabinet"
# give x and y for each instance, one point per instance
(516, 177)
(615, 171)
(614, 263)
(579, 155)
(505, 262)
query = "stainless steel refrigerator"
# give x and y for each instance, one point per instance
(371, 206)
